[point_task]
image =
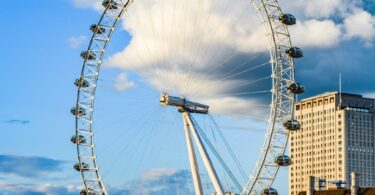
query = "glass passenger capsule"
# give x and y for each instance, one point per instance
(287, 19)
(283, 160)
(110, 4)
(88, 55)
(294, 52)
(78, 112)
(89, 191)
(97, 29)
(296, 88)
(80, 139)
(81, 166)
(269, 191)
(84, 192)
(292, 125)
(81, 83)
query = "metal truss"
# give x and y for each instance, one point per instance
(281, 107)
(86, 95)
(282, 104)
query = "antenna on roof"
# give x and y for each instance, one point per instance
(340, 90)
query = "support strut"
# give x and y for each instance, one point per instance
(186, 107)
(192, 157)
(206, 159)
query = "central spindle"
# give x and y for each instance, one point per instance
(183, 104)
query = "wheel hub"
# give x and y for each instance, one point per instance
(183, 104)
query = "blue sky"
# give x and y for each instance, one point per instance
(40, 60)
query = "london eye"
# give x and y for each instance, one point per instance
(262, 78)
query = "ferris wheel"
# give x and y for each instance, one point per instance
(280, 122)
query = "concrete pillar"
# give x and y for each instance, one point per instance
(311, 186)
(354, 186)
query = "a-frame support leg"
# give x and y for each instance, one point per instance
(192, 157)
(206, 159)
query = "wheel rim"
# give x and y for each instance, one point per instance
(282, 108)
(282, 102)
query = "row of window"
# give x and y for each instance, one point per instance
(357, 109)
(360, 126)
(362, 170)
(316, 143)
(360, 117)
(315, 103)
(358, 103)
(361, 149)
(366, 142)
(319, 115)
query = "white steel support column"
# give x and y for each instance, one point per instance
(206, 159)
(192, 157)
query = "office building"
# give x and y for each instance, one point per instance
(336, 138)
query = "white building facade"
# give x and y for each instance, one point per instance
(335, 139)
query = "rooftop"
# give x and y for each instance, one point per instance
(362, 191)
(332, 93)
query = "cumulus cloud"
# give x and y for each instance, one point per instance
(158, 181)
(28, 189)
(189, 48)
(123, 83)
(75, 42)
(349, 24)
(360, 25)
(96, 4)
(315, 33)
(330, 22)
(29, 167)
(153, 174)
(190, 38)
(323, 9)
(235, 106)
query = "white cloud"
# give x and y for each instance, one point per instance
(157, 181)
(96, 4)
(189, 37)
(180, 47)
(45, 188)
(176, 53)
(75, 42)
(123, 83)
(338, 19)
(322, 9)
(360, 24)
(237, 107)
(153, 174)
(315, 33)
